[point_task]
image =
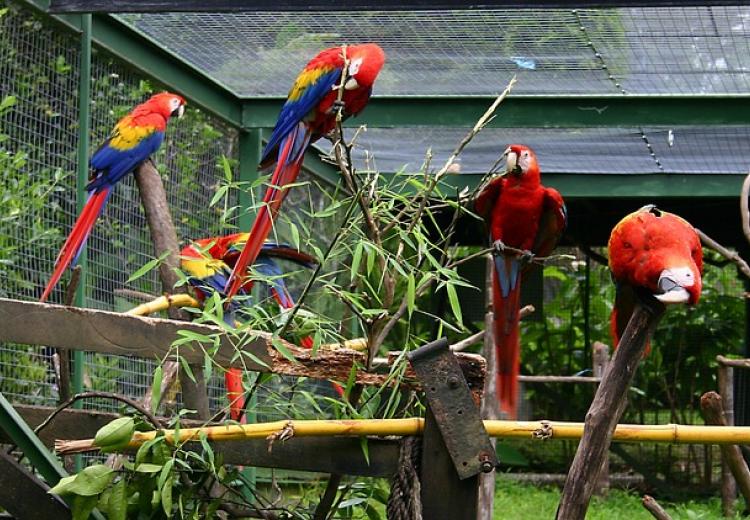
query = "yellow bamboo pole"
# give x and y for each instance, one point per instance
(163, 303)
(662, 433)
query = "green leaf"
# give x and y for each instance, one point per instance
(186, 367)
(117, 506)
(166, 495)
(283, 350)
(295, 235)
(89, 482)
(356, 259)
(116, 434)
(411, 291)
(349, 502)
(156, 388)
(6, 103)
(365, 449)
(455, 304)
(147, 467)
(83, 506)
(147, 267)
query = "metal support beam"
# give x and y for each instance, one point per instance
(150, 58)
(604, 186)
(531, 111)
(250, 148)
(142, 6)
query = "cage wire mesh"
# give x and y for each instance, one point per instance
(677, 50)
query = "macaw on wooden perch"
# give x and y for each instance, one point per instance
(521, 213)
(134, 138)
(208, 261)
(309, 113)
(656, 252)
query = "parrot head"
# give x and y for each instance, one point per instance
(166, 104)
(660, 252)
(520, 161)
(365, 62)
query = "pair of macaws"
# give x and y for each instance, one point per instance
(310, 112)
(649, 250)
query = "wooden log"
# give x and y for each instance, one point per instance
(605, 411)
(107, 332)
(728, 484)
(653, 507)
(444, 495)
(736, 363)
(164, 237)
(488, 409)
(600, 363)
(713, 412)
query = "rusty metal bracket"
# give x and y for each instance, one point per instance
(457, 416)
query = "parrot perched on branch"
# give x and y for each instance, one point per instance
(134, 138)
(308, 114)
(657, 252)
(523, 214)
(208, 262)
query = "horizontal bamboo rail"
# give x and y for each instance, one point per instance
(163, 303)
(664, 433)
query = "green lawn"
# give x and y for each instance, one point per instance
(522, 502)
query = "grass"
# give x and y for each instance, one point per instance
(527, 502)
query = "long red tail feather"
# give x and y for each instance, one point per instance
(285, 173)
(235, 392)
(507, 346)
(77, 238)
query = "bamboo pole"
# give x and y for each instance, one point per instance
(653, 507)
(163, 303)
(728, 484)
(488, 409)
(530, 430)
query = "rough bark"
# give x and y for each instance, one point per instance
(606, 410)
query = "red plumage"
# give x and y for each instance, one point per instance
(657, 252)
(523, 214)
(308, 114)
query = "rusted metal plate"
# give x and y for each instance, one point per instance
(456, 414)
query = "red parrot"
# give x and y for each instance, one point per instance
(308, 114)
(134, 138)
(654, 251)
(209, 269)
(523, 214)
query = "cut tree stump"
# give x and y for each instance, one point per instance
(606, 409)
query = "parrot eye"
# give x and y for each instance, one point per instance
(354, 66)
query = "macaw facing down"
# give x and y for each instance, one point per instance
(308, 114)
(208, 261)
(523, 214)
(657, 252)
(134, 138)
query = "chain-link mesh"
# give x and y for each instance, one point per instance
(39, 66)
(686, 50)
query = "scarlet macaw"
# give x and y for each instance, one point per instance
(209, 270)
(654, 251)
(134, 138)
(523, 214)
(308, 114)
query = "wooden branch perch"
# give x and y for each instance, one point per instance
(730, 255)
(164, 237)
(653, 507)
(713, 412)
(606, 410)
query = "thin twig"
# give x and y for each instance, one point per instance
(732, 256)
(479, 336)
(511, 251)
(104, 395)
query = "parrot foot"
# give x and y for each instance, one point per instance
(338, 105)
(526, 257)
(499, 246)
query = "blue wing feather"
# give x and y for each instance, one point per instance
(295, 111)
(112, 164)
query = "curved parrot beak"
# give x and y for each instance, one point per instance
(672, 284)
(179, 111)
(511, 162)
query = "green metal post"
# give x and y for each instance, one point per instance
(84, 101)
(250, 148)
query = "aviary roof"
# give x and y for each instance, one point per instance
(691, 51)
(687, 50)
